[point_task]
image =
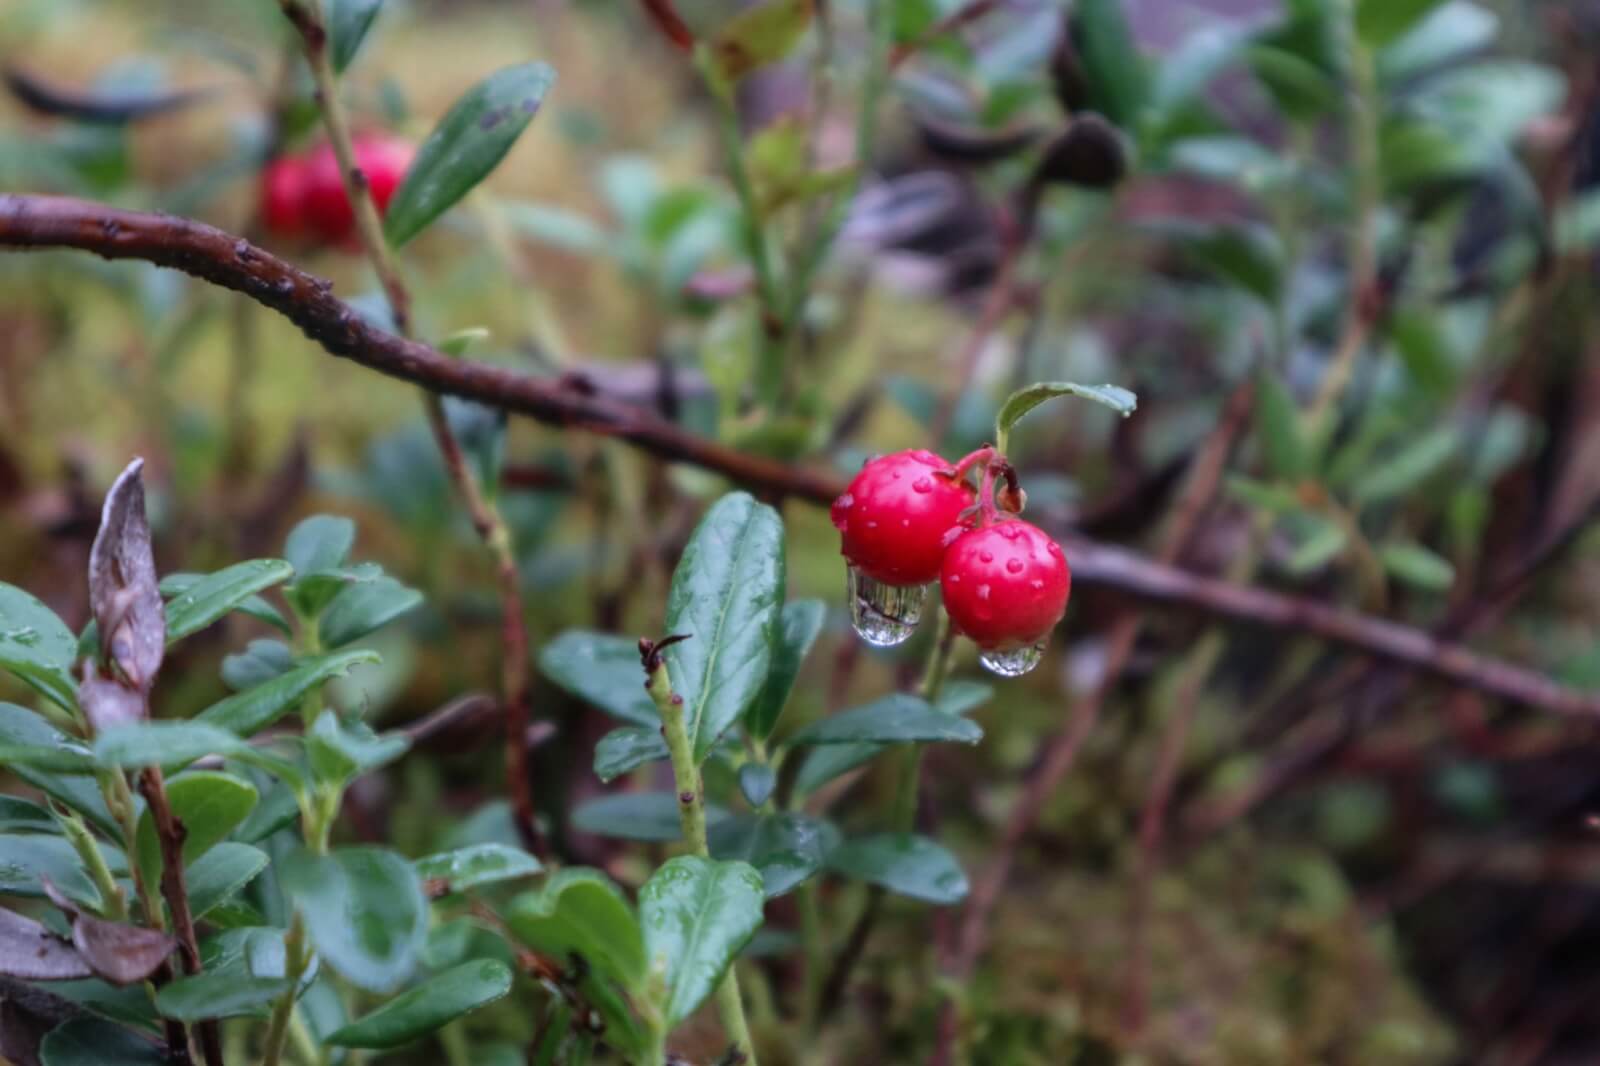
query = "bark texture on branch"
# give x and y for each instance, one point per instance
(37, 222)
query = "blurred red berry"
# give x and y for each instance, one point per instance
(894, 518)
(1005, 585)
(283, 185)
(382, 159)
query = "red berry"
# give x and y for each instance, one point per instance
(894, 517)
(283, 185)
(383, 159)
(1005, 585)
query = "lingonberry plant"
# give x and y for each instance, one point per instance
(603, 761)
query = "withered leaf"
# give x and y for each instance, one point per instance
(123, 589)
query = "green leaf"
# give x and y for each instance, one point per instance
(429, 1006)
(627, 749)
(1409, 467)
(1026, 399)
(798, 626)
(1318, 549)
(27, 859)
(260, 662)
(1245, 255)
(580, 911)
(311, 593)
(635, 816)
(364, 910)
(903, 863)
(277, 809)
(1416, 565)
(91, 1041)
(1198, 59)
(757, 36)
(1380, 21)
(321, 542)
(69, 757)
(209, 803)
(168, 744)
(727, 594)
(1115, 72)
(199, 601)
(22, 816)
(348, 23)
(339, 751)
(602, 670)
(468, 143)
(220, 873)
(251, 711)
(21, 728)
(1449, 32)
(246, 971)
(756, 782)
(481, 432)
(1302, 89)
(364, 607)
(697, 915)
(894, 719)
(1278, 427)
(37, 646)
(785, 849)
(829, 761)
(477, 864)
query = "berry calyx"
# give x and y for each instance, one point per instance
(894, 517)
(1005, 584)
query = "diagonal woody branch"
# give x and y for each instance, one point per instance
(34, 222)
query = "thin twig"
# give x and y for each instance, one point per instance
(34, 222)
(486, 517)
(170, 833)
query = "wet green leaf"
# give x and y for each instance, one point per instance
(697, 915)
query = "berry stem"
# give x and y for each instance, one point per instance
(970, 460)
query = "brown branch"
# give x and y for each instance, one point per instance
(170, 833)
(34, 222)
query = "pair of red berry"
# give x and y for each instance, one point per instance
(910, 518)
(303, 197)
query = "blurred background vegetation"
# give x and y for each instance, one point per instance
(1387, 224)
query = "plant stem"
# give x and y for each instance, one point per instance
(113, 903)
(170, 833)
(295, 957)
(306, 15)
(933, 675)
(692, 817)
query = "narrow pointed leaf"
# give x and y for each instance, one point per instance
(1026, 399)
(199, 601)
(251, 711)
(348, 23)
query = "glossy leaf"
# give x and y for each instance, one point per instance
(32, 952)
(166, 743)
(339, 751)
(364, 910)
(727, 594)
(580, 911)
(628, 748)
(1026, 399)
(757, 36)
(21, 728)
(348, 23)
(23, 816)
(199, 601)
(246, 971)
(798, 626)
(903, 863)
(321, 542)
(364, 607)
(1416, 565)
(468, 143)
(1116, 77)
(477, 864)
(251, 711)
(697, 915)
(434, 1003)
(37, 646)
(26, 861)
(895, 719)
(785, 849)
(1380, 21)
(311, 593)
(829, 761)
(260, 662)
(219, 874)
(635, 816)
(602, 670)
(1450, 31)
(209, 803)
(124, 593)
(91, 1041)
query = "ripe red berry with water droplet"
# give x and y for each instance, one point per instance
(893, 518)
(1005, 585)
